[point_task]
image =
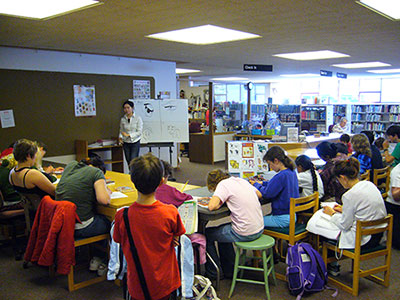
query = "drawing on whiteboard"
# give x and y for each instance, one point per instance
(147, 133)
(148, 109)
(173, 131)
(170, 107)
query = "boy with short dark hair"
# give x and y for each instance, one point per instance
(155, 229)
(393, 136)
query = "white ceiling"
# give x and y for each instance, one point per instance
(119, 27)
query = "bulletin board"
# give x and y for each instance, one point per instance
(163, 120)
(43, 107)
(245, 158)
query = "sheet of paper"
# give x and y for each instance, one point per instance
(7, 118)
(188, 213)
(116, 195)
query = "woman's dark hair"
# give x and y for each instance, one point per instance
(129, 102)
(370, 135)
(167, 168)
(379, 143)
(345, 138)
(326, 150)
(305, 162)
(341, 148)
(393, 130)
(278, 153)
(349, 168)
(24, 148)
(214, 177)
(95, 161)
(146, 173)
(42, 145)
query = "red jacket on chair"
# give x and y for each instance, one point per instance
(52, 236)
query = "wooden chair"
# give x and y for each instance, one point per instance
(365, 175)
(72, 285)
(10, 220)
(358, 255)
(296, 231)
(383, 173)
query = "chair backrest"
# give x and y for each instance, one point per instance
(383, 173)
(373, 227)
(302, 204)
(365, 175)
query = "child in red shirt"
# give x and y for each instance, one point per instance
(155, 229)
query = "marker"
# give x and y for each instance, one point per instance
(184, 186)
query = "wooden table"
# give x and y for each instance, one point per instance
(122, 179)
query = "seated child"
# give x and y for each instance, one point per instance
(155, 229)
(309, 179)
(168, 194)
(345, 140)
(280, 188)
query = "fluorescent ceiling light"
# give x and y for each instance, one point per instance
(311, 55)
(387, 8)
(385, 71)
(230, 79)
(373, 64)
(42, 9)
(300, 75)
(203, 35)
(183, 71)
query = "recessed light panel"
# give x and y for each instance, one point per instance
(183, 71)
(203, 35)
(312, 55)
(385, 71)
(230, 79)
(388, 8)
(42, 9)
(373, 64)
(300, 75)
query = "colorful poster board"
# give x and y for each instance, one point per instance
(245, 159)
(84, 100)
(141, 89)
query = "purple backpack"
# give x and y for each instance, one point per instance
(306, 271)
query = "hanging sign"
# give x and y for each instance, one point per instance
(257, 68)
(325, 73)
(341, 75)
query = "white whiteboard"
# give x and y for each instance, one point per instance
(163, 120)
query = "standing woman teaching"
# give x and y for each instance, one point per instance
(130, 131)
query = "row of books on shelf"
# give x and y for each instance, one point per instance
(368, 126)
(376, 108)
(313, 115)
(370, 118)
(394, 118)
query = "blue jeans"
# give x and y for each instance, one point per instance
(131, 151)
(100, 225)
(277, 221)
(225, 236)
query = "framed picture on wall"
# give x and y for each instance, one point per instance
(84, 100)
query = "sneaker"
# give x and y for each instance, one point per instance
(102, 269)
(94, 263)
(334, 270)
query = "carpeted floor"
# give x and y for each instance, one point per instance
(17, 283)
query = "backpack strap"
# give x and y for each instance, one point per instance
(306, 247)
(136, 257)
(310, 251)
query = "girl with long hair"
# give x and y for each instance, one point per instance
(309, 179)
(283, 186)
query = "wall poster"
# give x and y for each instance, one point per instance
(85, 100)
(141, 89)
(245, 159)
